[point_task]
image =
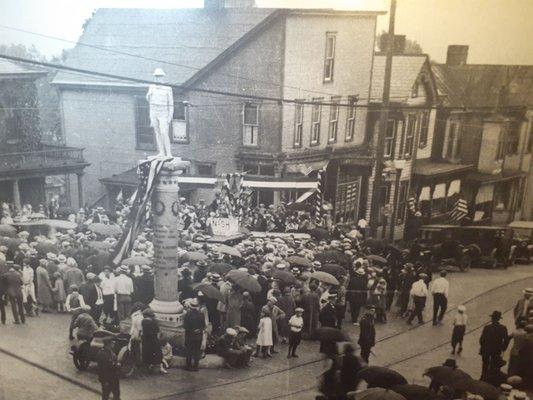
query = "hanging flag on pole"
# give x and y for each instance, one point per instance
(319, 201)
(459, 211)
(148, 172)
(120, 197)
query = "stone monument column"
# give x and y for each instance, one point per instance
(165, 207)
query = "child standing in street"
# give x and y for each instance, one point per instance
(459, 327)
(59, 293)
(264, 341)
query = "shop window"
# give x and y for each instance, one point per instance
(205, 169)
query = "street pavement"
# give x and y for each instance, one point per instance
(35, 364)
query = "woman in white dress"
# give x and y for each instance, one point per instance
(264, 336)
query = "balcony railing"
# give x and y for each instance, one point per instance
(47, 157)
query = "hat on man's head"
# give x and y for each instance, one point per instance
(201, 263)
(273, 299)
(461, 308)
(51, 256)
(231, 332)
(299, 309)
(216, 277)
(90, 276)
(158, 72)
(450, 362)
(528, 291)
(497, 315)
(62, 258)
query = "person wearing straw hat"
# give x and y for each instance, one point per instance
(459, 327)
(161, 102)
(523, 305)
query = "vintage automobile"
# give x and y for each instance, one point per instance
(84, 352)
(522, 241)
(488, 246)
(467, 246)
(440, 247)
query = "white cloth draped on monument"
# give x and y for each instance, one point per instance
(148, 172)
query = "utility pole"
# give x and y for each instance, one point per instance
(383, 121)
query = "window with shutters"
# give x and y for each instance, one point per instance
(333, 120)
(250, 124)
(144, 136)
(315, 123)
(329, 62)
(350, 122)
(298, 124)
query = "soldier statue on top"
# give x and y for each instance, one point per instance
(161, 103)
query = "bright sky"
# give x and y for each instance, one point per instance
(497, 31)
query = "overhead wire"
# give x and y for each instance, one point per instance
(139, 56)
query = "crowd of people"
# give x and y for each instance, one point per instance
(247, 302)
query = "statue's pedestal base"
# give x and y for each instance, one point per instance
(210, 361)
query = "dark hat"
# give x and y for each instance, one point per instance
(201, 263)
(450, 362)
(148, 312)
(496, 315)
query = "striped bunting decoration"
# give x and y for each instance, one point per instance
(319, 200)
(460, 210)
(148, 172)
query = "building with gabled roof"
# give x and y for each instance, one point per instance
(318, 56)
(485, 121)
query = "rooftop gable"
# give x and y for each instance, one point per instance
(480, 85)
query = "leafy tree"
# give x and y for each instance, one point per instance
(411, 46)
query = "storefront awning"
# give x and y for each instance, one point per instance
(428, 169)
(306, 168)
(485, 179)
(278, 183)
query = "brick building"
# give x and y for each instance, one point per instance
(483, 136)
(321, 56)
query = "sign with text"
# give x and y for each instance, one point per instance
(224, 226)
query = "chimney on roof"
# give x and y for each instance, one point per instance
(457, 55)
(220, 4)
(398, 44)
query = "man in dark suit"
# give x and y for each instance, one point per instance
(493, 342)
(367, 333)
(13, 285)
(194, 325)
(327, 316)
(92, 295)
(4, 267)
(108, 370)
(144, 285)
(356, 293)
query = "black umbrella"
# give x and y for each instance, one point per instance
(333, 257)
(415, 392)
(483, 389)
(221, 268)
(300, 207)
(285, 277)
(7, 230)
(334, 269)
(377, 245)
(208, 290)
(381, 377)
(297, 260)
(319, 233)
(445, 375)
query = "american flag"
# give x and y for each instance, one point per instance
(148, 172)
(460, 210)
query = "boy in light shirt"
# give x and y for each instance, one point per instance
(460, 320)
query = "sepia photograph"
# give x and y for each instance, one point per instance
(266, 199)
